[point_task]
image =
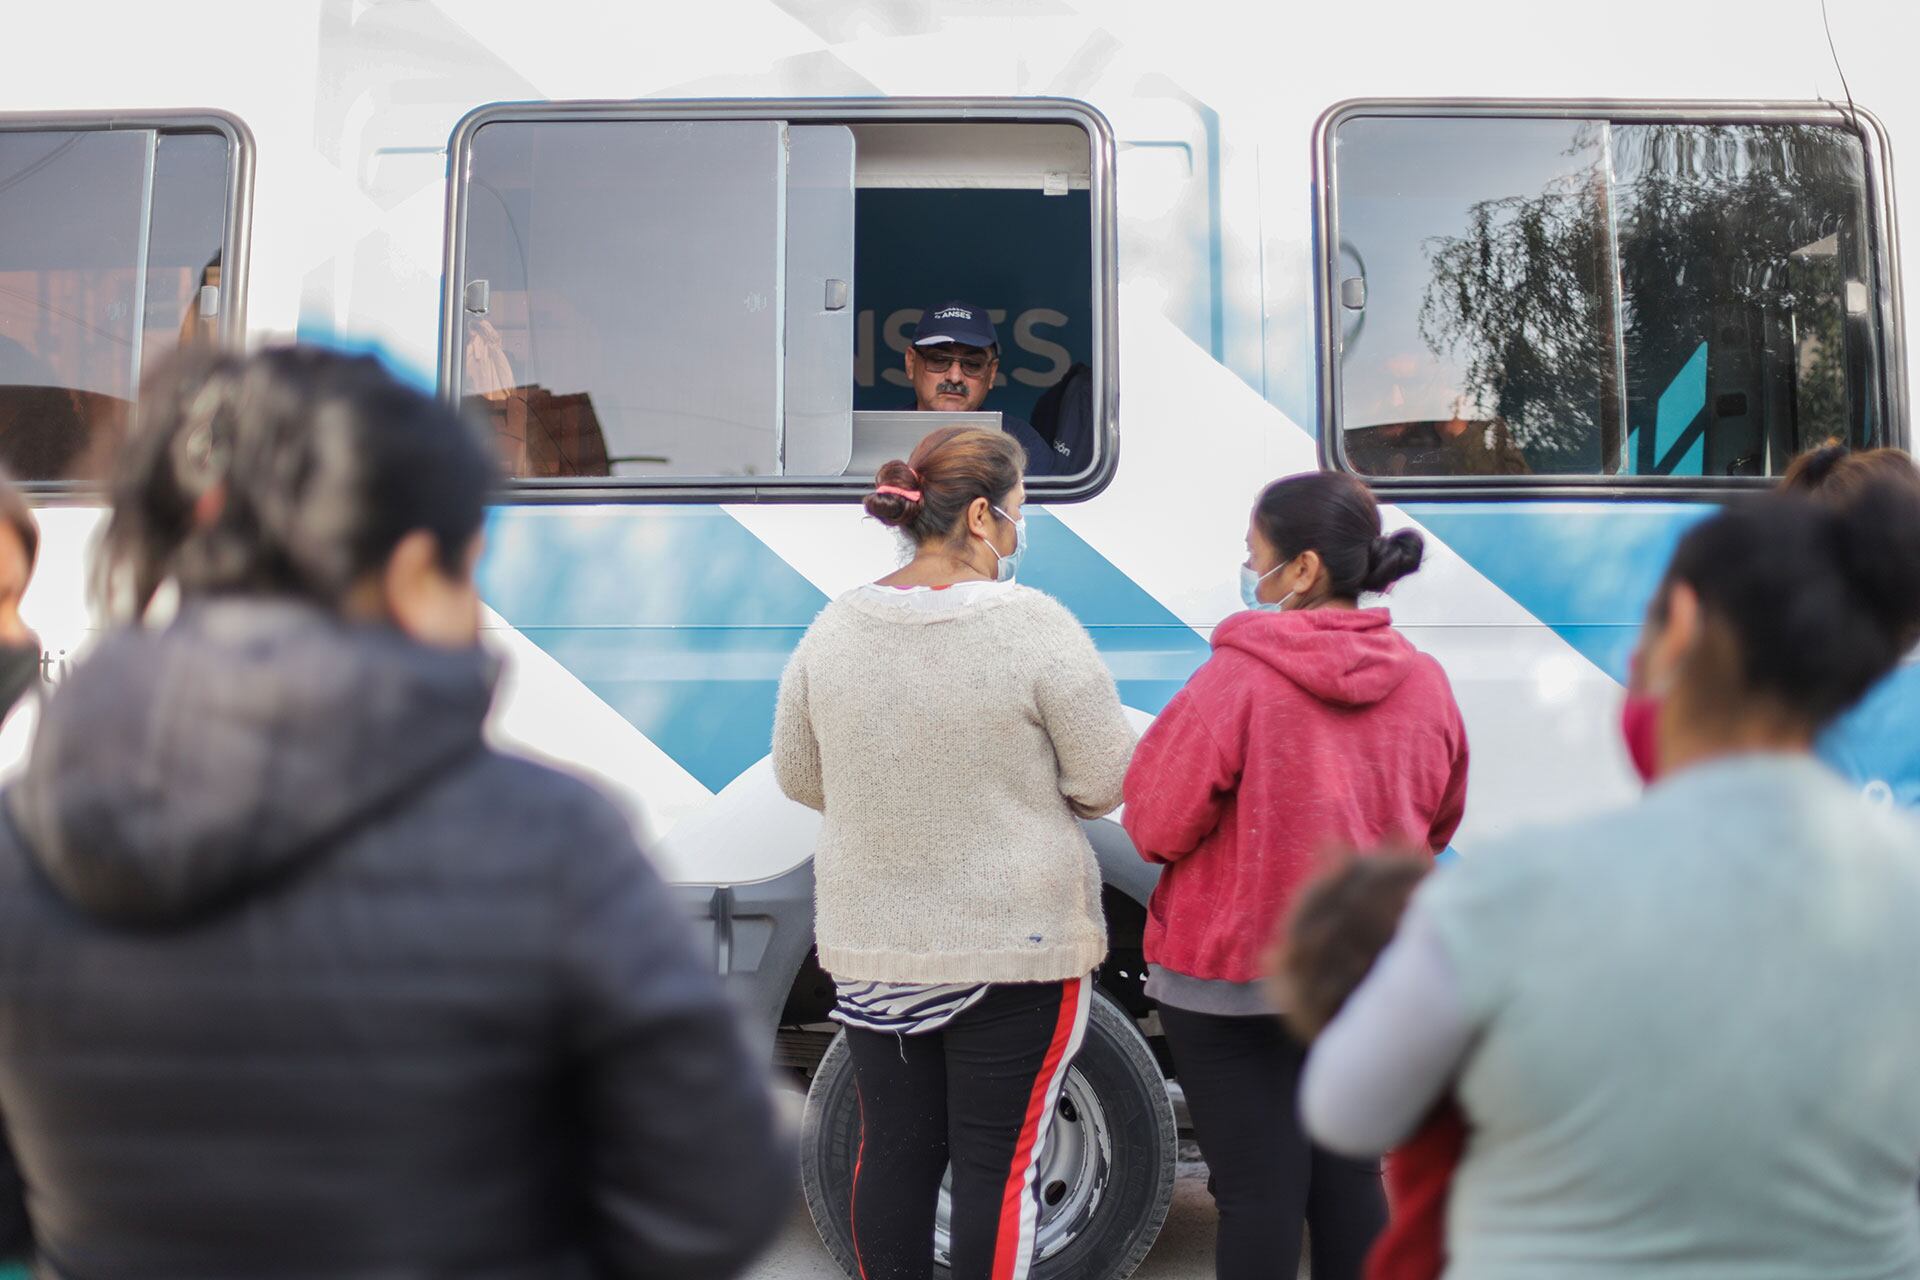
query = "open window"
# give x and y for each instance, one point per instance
(122, 239)
(716, 298)
(1567, 294)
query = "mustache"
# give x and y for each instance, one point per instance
(951, 389)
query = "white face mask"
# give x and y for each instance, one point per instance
(1250, 588)
(1009, 564)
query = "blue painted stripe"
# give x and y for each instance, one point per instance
(675, 616)
(320, 332)
(681, 620)
(1875, 743)
(1586, 570)
(1150, 651)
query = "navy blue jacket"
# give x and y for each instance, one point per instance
(298, 977)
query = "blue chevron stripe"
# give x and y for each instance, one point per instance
(1587, 570)
(675, 616)
(1149, 650)
(681, 620)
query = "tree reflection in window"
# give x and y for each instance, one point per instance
(1524, 297)
(1674, 299)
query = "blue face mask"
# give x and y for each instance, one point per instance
(1250, 588)
(1009, 563)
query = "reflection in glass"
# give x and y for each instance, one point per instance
(1736, 245)
(631, 317)
(1525, 296)
(1484, 345)
(183, 298)
(106, 239)
(72, 209)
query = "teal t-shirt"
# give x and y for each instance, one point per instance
(1698, 1047)
(1876, 745)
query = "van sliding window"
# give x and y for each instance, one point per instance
(685, 298)
(121, 241)
(1579, 295)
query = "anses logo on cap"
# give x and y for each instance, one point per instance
(953, 313)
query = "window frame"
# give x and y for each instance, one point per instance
(1882, 233)
(230, 331)
(1102, 358)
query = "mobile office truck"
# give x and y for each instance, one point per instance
(1554, 286)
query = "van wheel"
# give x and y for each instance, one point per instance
(1105, 1175)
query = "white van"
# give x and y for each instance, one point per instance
(1553, 286)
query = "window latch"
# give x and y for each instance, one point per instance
(838, 292)
(209, 301)
(477, 297)
(1353, 293)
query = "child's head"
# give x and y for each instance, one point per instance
(1340, 923)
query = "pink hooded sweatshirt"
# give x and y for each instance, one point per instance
(1306, 732)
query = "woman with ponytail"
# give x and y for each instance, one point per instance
(300, 977)
(1683, 1032)
(1314, 725)
(953, 725)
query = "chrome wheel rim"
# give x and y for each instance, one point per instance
(1069, 1175)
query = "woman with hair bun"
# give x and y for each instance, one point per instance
(1682, 1032)
(953, 726)
(1314, 725)
(1874, 744)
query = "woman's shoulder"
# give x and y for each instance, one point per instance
(1035, 601)
(1048, 625)
(834, 617)
(1033, 607)
(1424, 668)
(515, 804)
(1435, 685)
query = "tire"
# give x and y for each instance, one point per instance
(1106, 1171)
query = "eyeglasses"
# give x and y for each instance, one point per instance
(940, 361)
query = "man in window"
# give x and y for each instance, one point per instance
(951, 363)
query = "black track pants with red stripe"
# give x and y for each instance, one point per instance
(979, 1093)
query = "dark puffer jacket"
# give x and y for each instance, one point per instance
(298, 978)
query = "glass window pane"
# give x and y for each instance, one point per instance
(1738, 247)
(72, 225)
(106, 238)
(730, 300)
(184, 243)
(1537, 297)
(1477, 309)
(633, 318)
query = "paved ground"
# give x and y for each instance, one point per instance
(1184, 1250)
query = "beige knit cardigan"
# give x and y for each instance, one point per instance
(951, 750)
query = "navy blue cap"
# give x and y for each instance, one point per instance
(959, 322)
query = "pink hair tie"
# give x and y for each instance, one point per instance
(911, 495)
